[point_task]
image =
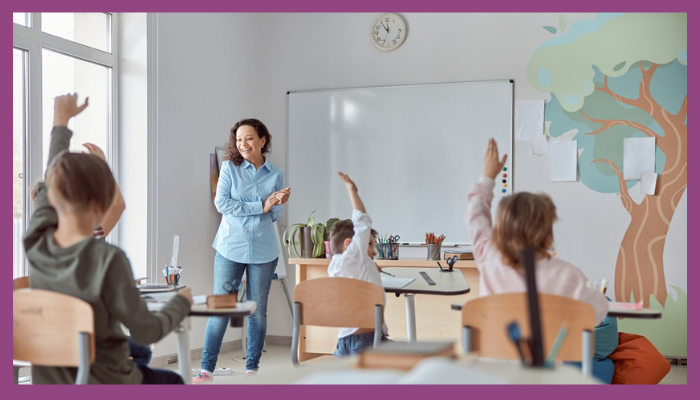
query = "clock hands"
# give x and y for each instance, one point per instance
(385, 28)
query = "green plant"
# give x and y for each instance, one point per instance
(317, 232)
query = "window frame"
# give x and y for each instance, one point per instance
(33, 41)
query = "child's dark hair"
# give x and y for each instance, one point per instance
(343, 230)
(81, 180)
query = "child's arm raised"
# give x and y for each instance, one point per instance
(352, 192)
(478, 216)
(116, 209)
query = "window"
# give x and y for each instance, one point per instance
(54, 54)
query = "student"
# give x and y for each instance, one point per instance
(353, 249)
(65, 257)
(522, 219)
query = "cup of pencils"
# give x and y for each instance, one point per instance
(387, 247)
(172, 275)
(434, 244)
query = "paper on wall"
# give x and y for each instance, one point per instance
(539, 145)
(639, 155)
(562, 160)
(647, 185)
(529, 119)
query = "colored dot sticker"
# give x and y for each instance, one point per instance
(503, 181)
(505, 175)
(505, 169)
(503, 190)
(505, 184)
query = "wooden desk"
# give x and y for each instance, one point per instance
(437, 321)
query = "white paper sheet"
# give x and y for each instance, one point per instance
(647, 185)
(539, 145)
(639, 155)
(562, 160)
(529, 119)
(389, 282)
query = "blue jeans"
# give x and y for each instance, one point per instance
(141, 354)
(354, 344)
(258, 282)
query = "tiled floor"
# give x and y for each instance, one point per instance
(279, 357)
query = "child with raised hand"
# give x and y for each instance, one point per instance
(350, 243)
(522, 219)
(65, 257)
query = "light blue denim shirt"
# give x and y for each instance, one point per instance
(245, 234)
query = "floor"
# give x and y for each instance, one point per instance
(278, 357)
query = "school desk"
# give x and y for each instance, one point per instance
(644, 313)
(465, 370)
(236, 315)
(437, 322)
(443, 284)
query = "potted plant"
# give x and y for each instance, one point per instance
(308, 235)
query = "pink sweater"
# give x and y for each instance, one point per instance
(554, 276)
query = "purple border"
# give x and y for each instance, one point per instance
(342, 392)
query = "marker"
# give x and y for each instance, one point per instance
(383, 272)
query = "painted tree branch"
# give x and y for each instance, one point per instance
(645, 101)
(609, 123)
(625, 197)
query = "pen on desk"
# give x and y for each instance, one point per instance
(384, 272)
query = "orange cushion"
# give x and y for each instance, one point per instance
(637, 361)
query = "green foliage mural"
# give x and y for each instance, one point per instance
(615, 77)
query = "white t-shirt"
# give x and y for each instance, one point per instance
(355, 263)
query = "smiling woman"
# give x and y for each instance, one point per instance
(249, 195)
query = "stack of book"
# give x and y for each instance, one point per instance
(461, 255)
(402, 355)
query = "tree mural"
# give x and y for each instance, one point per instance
(621, 76)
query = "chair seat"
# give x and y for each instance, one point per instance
(21, 364)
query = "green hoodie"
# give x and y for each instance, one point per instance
(99, 273)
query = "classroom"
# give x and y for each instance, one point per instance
(178, 82)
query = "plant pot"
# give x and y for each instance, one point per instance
(307, 246)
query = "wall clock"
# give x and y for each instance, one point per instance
(388, 31)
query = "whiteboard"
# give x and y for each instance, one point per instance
(413, 151)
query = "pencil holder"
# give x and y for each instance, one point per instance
(434, 252)
(387, 251)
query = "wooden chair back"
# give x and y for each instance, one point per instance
(20, 283)
(337, 302)
(489, 316)
(47, 328)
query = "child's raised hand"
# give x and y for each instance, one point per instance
(492, 166)
(66, 107)
(348, 182)
(94, 150)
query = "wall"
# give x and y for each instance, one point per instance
(217, 68)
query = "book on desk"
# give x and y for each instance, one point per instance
(461, 255)
(403, 355)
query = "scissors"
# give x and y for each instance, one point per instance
(233, 286)
(451, 262)
(394, 239)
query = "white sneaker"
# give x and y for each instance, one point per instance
(250, 372)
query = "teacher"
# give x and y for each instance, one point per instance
(249, 195)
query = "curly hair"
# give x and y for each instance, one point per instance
(524, 219)
(231, 151)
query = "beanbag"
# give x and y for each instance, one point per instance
(637, 361)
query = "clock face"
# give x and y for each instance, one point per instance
(388, 31)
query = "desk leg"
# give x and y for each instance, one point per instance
(183, 350)
(410, 316)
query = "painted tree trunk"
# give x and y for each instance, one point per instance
(639, 272)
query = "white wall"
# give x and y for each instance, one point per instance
(217, 68)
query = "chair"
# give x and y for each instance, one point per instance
(337, 302)
(485, 319)
(53, 329)
(20, 283)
